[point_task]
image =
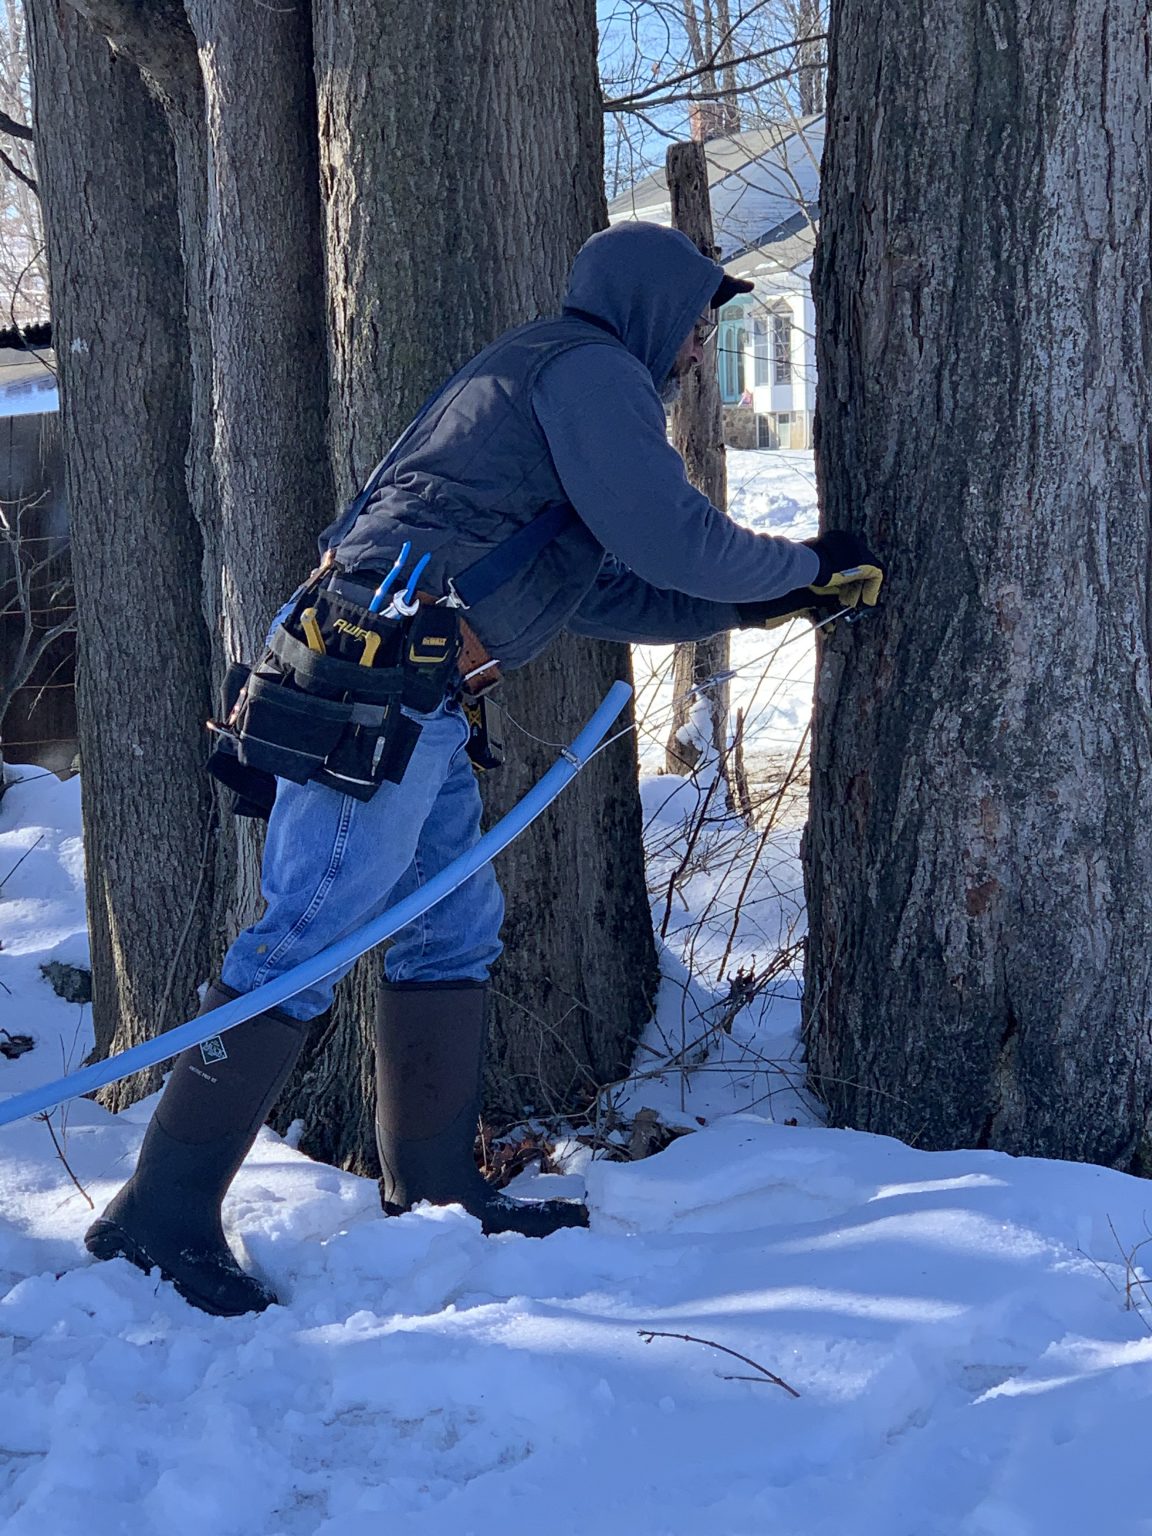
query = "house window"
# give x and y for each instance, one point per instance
(761, 358)
(782, 345)
(731, 342)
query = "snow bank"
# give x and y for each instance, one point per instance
(955, 1325)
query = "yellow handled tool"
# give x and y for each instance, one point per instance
(371, 646)
(311, 626)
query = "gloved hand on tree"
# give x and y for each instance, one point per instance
(801, 603)
(849, 572)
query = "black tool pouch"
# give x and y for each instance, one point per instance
(253, 790)
(431, 651)
(306, 716)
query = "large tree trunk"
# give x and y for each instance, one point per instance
(980, 854)
(698, 434)
(576, 984)
(158, 40)
(108, 181)
(263, 266)
(459, 183)
(173, 60)
(237, 92)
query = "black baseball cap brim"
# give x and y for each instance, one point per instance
(729, 288)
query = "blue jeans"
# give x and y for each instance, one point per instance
(332, 863)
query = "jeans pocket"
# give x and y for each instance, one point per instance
(448, 710)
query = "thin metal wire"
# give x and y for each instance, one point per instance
(667, 710)
(523, 729)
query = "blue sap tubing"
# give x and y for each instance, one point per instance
(273, 993)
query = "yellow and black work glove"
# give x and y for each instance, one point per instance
(800, 603)
(849, 572)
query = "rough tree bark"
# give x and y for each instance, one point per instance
(237, 91)
(264, 274)
(980, 854)
(808, 21)
(159, 42)
(158, 39)
(698, 434)
(458, 185)
(108, 178)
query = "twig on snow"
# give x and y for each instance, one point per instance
(20, 861)
(60, 1154)
(1134, 1280)
(648, 1334)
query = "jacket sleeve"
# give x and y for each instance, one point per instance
(622, 607)
(606, 432)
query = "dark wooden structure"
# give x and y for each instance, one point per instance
(38, 717)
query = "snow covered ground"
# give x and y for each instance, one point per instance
(967, 1333)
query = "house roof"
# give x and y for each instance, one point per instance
(785, 248)
(27, 381)
(725, 155)
(766, 236)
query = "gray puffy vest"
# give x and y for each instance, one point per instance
(472, 469)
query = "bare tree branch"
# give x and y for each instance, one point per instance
(17, 130)
(19, 592)
(695, 42)
(628, 103)
(28, 181)
(19, 283)
(648, 1334)
(725, 43)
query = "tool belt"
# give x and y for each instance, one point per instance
(323, 703)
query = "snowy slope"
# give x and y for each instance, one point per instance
(968, 1333)
(955, 1325)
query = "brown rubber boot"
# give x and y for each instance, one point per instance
(429, 1060)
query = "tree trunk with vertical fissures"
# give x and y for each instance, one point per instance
(458, 184)
(698, 436)
(979, 858)
(109, 186)
(263, 272)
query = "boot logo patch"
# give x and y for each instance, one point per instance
(213, 1050)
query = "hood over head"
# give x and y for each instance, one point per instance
(647, 285)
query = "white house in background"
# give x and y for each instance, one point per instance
(765, 187)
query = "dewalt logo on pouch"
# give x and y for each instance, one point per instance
(428, 650)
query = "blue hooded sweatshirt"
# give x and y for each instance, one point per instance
(567, 413)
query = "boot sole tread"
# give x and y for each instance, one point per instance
(106, 1240)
